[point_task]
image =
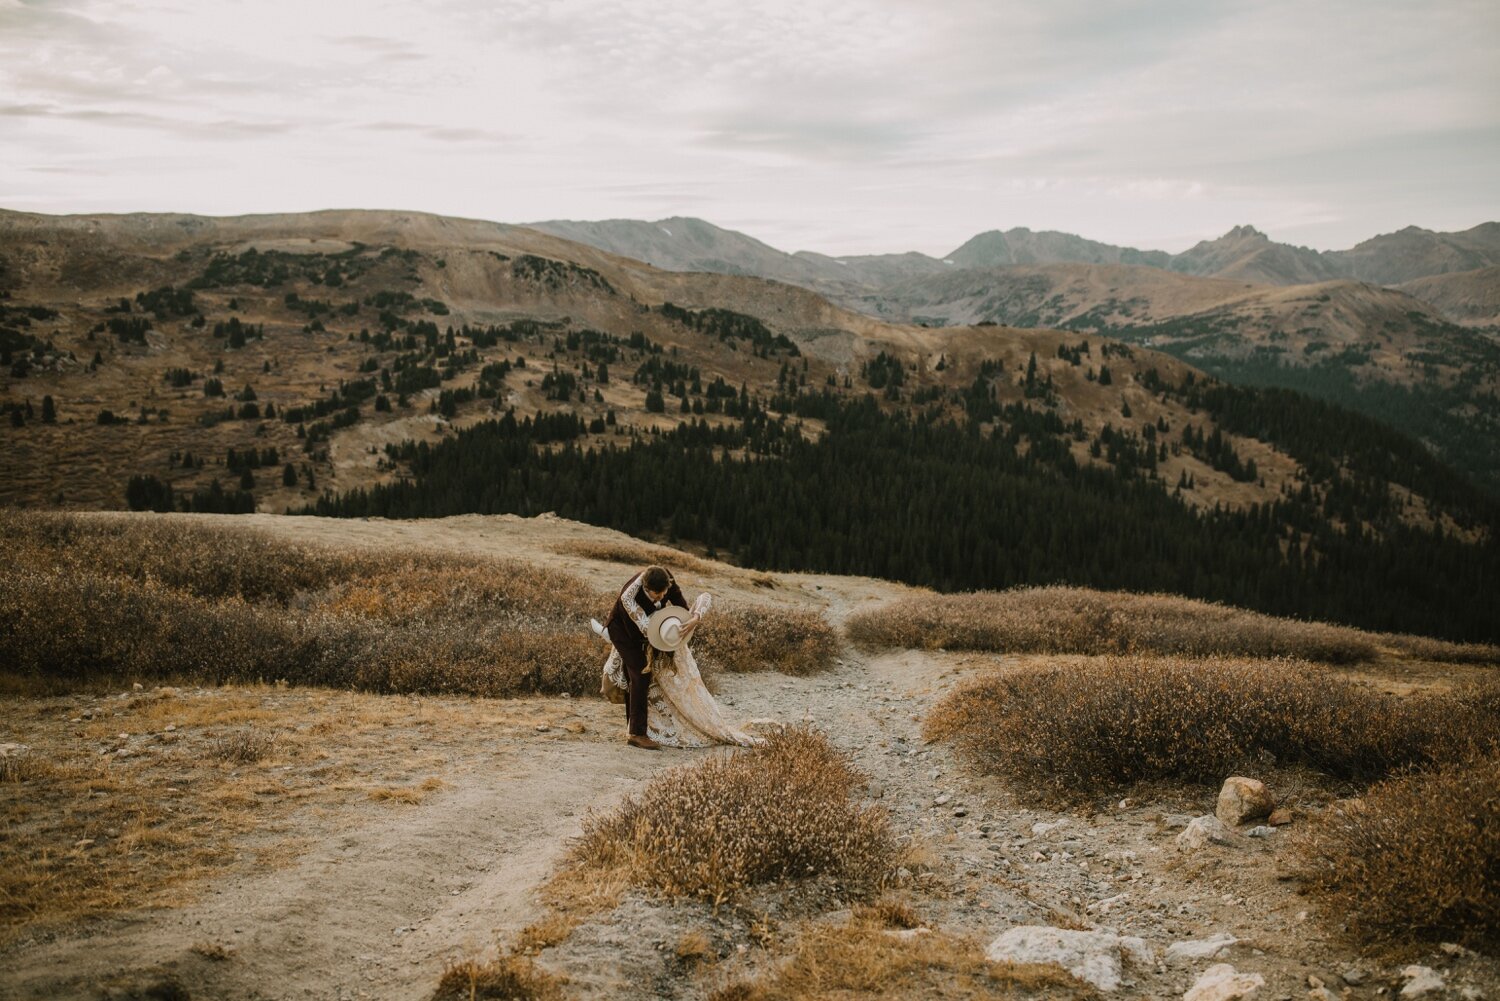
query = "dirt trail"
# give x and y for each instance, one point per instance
(374, 909)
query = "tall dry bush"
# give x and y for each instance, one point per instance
(1080, 729)
(1417, 859)
(764, 638)
(1445, 651)
(639, 554)
(1078, 620)
(786, 810)
(116, 599)
(204, 560)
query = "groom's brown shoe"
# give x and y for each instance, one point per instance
(643, 742)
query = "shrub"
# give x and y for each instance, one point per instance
(1079, 620)
(1417, 858)
(119, 599)
(242, 747)
(1077, 729)
(638, 554)
(761, 638)
(1447, 651)
(781, 811)
(863, 959)
(507, 979)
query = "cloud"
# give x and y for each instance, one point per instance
(846, 125)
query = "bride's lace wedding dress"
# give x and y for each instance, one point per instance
(680, 710)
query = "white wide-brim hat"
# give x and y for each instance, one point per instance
(664, 628)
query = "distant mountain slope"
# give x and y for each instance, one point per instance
(1022, 246)
(1468, 297)
(1377, 350)
(1247, 254)
(1412, 253)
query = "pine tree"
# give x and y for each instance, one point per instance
(49, 411)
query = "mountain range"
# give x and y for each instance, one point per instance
(1243, 254)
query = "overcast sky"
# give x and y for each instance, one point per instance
(838, 126)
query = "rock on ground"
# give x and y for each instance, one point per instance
(1243, 799)
(1222, 982)
(1208, 948)
(1091, 956)
(1420, 981)
(1202, 831)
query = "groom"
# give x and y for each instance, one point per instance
(646, 592)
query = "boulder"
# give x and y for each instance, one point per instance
(1203, 831)
(1206, 948)
(1222, 982)
(1421, 981)
(1092, 956)
(1243, 799)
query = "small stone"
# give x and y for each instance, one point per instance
(171, 727)
(876, 790)
(542, 728)
(1204, 831)
(1243, 799)
(1260, 832)
(1354, 976)
(1207, 948)
(1222, 982)
(1175, 820)
(1127, 803)
(1454, 949)
(1322, 994)
(1046, 827)
(943, 800)
(137, 687)
(1280, 817)
(1420, 981)
(960, 811)
(1091, 956)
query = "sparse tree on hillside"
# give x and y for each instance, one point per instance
(49, 411)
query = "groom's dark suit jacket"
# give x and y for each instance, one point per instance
(628, 617)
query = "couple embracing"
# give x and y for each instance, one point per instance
(651, 667)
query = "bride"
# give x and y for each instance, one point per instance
(652, 665)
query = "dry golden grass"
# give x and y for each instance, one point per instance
(694, 947)
(89, 832)
(764, 638)
(410, 795)
(639, 554)
(1417, 859)
(212, 950)
(85, 600)
(244, 746)
(787, 810)
(867, 959)
(1086, 727)
(1444, 651)
(1078, 620)
(511, 978)
(544, 933)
